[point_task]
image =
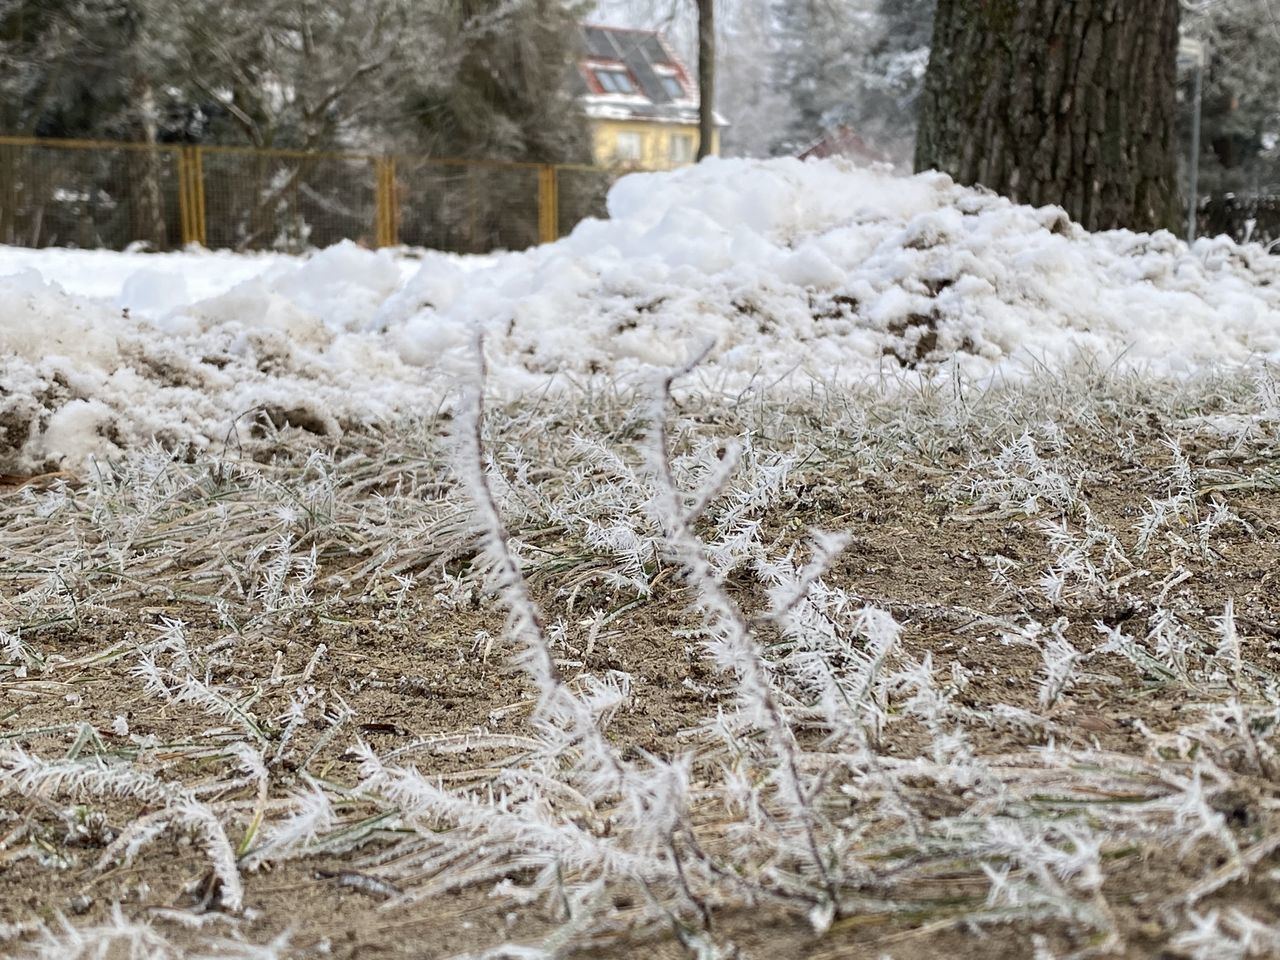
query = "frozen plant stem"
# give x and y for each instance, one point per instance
(527, 620)
(732, 645)
(658, 803)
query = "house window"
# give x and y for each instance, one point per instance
(629, 147)
(674, 88)
(615, 81)
(681, 149)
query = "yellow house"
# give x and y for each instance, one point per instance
(641, 101)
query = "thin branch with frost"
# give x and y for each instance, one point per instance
(29, 776)
(557, 703)
(731, 644)
(1233, 936)
(1060, 661)
(313, 815)
(519, 827)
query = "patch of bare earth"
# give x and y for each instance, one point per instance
(404, 667)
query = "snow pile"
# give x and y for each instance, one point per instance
(795, 272)
(156, 282)
(823, 272)
(80, 377)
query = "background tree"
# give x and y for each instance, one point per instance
(1051, 102)
(471, 77)
(891, 75)
(498, 90)
(816, 62)
(1241, 113)
(706, 77)
(89, 69)
(61, 66)
(857, 64)
(745, 92)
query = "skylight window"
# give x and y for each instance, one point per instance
(615, 81)
(674, 88)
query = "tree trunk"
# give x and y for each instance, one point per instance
(1068, 102)
(706, 78)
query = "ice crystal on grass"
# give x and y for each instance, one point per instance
(1233, 936)
(32, 778)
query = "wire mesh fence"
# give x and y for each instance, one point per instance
(112, 195)
(580, 193)
(88, 196)
(256, 200)
(467, 207)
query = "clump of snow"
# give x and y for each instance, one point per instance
(108, 275)
(795, 272)
(79, 378)
(343, 285)
(154, 292)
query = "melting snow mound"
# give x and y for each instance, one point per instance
(793, 272)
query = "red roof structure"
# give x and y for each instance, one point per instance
(627, 74)
(843, 142)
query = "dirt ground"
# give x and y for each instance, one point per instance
(411, 667)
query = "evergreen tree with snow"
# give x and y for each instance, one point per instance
(856, 65)
(893, 72)
(502, 93)
(1241, 99)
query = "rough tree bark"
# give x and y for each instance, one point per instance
(1070, 102)
(706, 77)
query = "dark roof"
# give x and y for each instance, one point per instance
(648, 61)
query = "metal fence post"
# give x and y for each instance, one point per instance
(191, 212)
(379, 204)
(387, 214)
(548, 205)
(393, 204)
(202, 232)
(184, 198)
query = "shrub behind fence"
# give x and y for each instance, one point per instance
(1241, 217)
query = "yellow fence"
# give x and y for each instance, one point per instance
(111, 195)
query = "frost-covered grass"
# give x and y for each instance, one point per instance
(935, 601)
(855, 669)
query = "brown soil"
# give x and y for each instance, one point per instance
(418, 670)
